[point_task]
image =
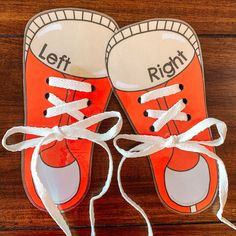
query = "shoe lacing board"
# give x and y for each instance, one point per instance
(56, 33)
(129, 55)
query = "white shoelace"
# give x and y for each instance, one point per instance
(152, 144)
(70, 132)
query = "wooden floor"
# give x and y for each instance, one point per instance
(215, 22)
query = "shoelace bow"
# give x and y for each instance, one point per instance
(152, 144)
(71, 132)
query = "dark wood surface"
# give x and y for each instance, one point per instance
(215, 22)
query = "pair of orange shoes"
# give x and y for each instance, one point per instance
(156, 70)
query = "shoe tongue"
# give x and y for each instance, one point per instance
(73, 47)
(146, 59)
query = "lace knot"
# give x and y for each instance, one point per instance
(171, 141)
(58, 134)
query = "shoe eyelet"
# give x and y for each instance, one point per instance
(139, 100)
(47, 80)
(189, 117)
(93, 88)
(89, 103)
(145, 113)
(181, 87)
(152, 128)
(185, 101)
(45, 112)
(46, 95)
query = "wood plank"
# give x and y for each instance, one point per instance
(17, 211)
(184, 230)
(206, 17)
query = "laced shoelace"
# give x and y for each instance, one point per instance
(71, 132)
(151, 144)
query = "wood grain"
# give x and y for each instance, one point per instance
(216, 22)
(170, 230)
(206, 17)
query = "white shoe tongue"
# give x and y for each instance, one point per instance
(73, 47)
(142, 60)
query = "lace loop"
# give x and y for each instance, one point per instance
(152, 144)
(71, 132)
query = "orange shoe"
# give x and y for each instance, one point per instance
(65, 81)
(61, 43)
(156, 55)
